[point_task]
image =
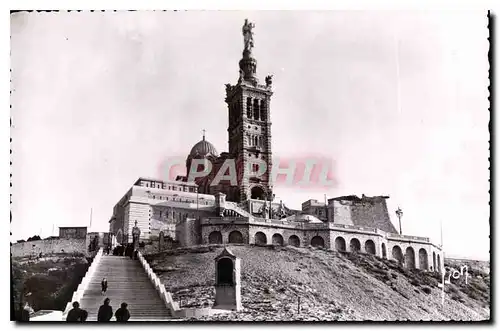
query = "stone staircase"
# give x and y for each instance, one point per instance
(127, 282)
(234, 207)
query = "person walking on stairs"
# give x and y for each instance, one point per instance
(76, 314)
(122, 314)
(104, 286)
(105, 312)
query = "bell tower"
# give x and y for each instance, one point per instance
(249, 127)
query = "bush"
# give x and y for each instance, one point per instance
(426, 290)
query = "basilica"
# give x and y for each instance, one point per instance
(195, 210)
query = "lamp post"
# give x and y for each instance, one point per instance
(399, 213)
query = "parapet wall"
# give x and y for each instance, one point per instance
(48, 246)
(365, 211)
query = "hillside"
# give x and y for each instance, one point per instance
(331, 286)
(49, 281)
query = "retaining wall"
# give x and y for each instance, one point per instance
(48, 246)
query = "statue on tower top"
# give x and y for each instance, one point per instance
(248, 35)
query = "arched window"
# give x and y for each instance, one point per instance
(256, 111)
(294, 241)
(249, 107)
(370, 247)
(262, 110)
(260, 238)
(355, 245)
(397, 254)
(235, 237)
(317, 241)
(410, 258)
(215, 237)
(422, 259)
(340, 244)
(277, 239)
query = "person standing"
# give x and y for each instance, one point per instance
(122, 314)
(76, 314)
(105, 312)
(104, 286)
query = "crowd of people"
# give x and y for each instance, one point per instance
(104, 314)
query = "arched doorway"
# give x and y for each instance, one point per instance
(397, 254)
(410, 258)
(215, 237)
(294, 241)
(384, 251)
(257, 193)
(260, 238)
(277, 239)
(225, 272)
(434, 260)
(317, 241)
(355, 245)
(439, 264)
(235, 237)
(422, 259)
(370, 247)
(340, 244)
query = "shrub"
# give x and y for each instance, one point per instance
(426, 290)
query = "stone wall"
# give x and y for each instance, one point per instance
(49, 246)
(341, 213)
(188, 232)
(79, 232)
(225, 230)
(373, 214)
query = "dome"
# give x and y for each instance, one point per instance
(203, 148)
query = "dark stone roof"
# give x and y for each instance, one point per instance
(203, 148)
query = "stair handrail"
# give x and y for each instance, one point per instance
(82, 287)
(165, 296)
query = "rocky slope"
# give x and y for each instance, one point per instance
(288, 283)
(47, 283)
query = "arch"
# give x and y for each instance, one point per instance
(294, 241)
(439, 264)
(340, 244)
(262, 110)
(235, 237)
(370, 247)
(260, 238)
(384, 251)
(422, 259)
(410, 258)
(225, 271)
(317, 241)
(397, 254)
(257, 193)
(277, 239)
(256, 111)
(355, 245)
(434, 260)
(215, 237)
(249, 107)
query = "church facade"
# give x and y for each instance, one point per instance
(203, 208)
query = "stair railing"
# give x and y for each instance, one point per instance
(78, 294)
(165, 296)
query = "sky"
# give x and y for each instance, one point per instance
(397, 100)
